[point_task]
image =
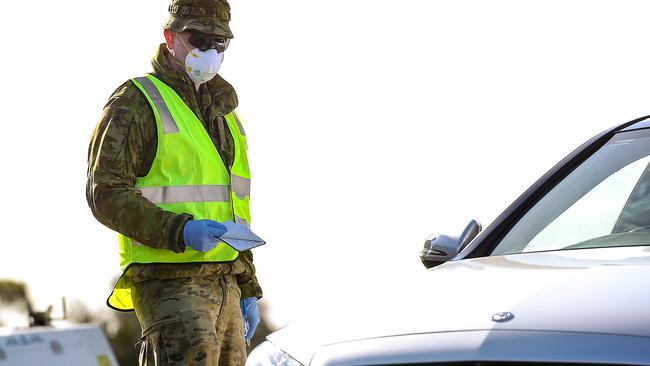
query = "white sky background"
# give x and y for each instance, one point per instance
(371, 125)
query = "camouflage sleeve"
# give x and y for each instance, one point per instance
(118, 153)
(247, 281)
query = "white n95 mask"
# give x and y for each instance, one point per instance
(202, 66)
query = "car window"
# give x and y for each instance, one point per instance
(604, 202)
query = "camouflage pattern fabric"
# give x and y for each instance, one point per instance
(190, 321)
(207, 16)
(123, 147)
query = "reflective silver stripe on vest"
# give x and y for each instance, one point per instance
(239, 220)
(169, 125)
(202, 193)
(241, 128)
(241, 186)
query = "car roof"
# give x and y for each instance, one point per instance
(644, 123)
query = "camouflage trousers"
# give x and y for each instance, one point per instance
(190, 321)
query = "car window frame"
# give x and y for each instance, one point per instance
(484, 244)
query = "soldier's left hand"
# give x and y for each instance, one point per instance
(251, 316)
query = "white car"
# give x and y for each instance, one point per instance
(74, 345)
(562, 277)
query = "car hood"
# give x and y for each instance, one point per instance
(588, 290)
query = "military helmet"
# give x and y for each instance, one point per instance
(207, 16)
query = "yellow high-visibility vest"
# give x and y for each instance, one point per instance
(187, 176)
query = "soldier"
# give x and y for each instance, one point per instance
(167, 166)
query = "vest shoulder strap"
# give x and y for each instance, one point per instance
(151, 91)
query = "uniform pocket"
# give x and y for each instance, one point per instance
(159, 341)
(241, 208)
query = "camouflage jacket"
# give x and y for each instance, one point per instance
(123, 147)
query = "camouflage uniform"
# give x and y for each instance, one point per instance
(191, 321)
(175, 303)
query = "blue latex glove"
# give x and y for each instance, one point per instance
(251, 316)
(202, 235)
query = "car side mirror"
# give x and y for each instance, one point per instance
(440, 248)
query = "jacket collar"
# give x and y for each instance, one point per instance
(216, 93)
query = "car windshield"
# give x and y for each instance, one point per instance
(604, 202)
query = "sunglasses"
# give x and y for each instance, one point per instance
(204, 41)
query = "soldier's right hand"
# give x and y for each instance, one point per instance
(202, 235)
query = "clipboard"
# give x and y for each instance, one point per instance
(240, 237)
